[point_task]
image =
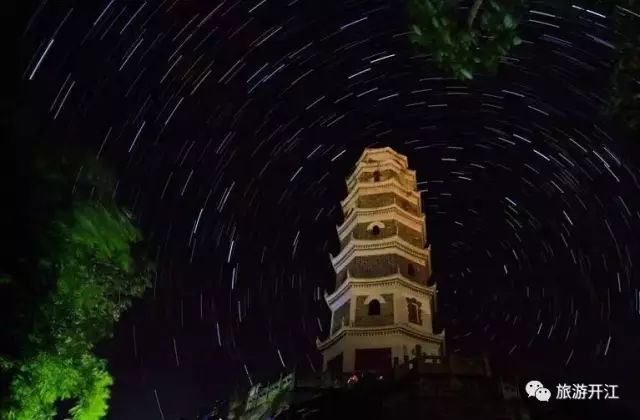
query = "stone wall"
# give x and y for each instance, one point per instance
(362, 317)
(340, 313)
(414, 237)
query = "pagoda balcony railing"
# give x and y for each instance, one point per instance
(415, 241)
(398, 328)
(379, 166)
(370, 188)
(395, 241)
(397, 278)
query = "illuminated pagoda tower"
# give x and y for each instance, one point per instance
(382, 358)
(382, 306)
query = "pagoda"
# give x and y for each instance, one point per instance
(383, 304)
(382, 358)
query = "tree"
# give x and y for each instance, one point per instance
(96, 273)
(460, 46)
(47, 378)
(88, 273)
(625, 82)
(625, 98)
(624, 91)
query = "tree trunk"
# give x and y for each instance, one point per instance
(474, 12)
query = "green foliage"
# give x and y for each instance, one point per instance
(625, 100)
(88, 253)
(96, 275)
(5, 363)
(464, 48)
(46, 378)
(61, 175)
(625, 92)
(278, 403)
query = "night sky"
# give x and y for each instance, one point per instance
(232, 126)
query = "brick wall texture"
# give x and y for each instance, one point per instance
(386, 199)
(391, 228)
(383, 265)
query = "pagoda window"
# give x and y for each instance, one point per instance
(374, 307)
(413, 307)
(376, 176)
(375, 228)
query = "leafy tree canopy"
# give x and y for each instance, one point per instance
(469, 36)
(47, 378)
(460, 46)
(91, 271)
(95, 271)
(625, 96)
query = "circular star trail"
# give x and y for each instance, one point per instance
(233, 126)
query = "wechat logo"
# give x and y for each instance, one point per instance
(537, 390)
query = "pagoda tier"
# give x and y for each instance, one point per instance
(382, 307)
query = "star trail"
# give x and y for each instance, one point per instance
(233, 125)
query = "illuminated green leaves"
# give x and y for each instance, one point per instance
(46, 378)
(87, 251)
(463, 48)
